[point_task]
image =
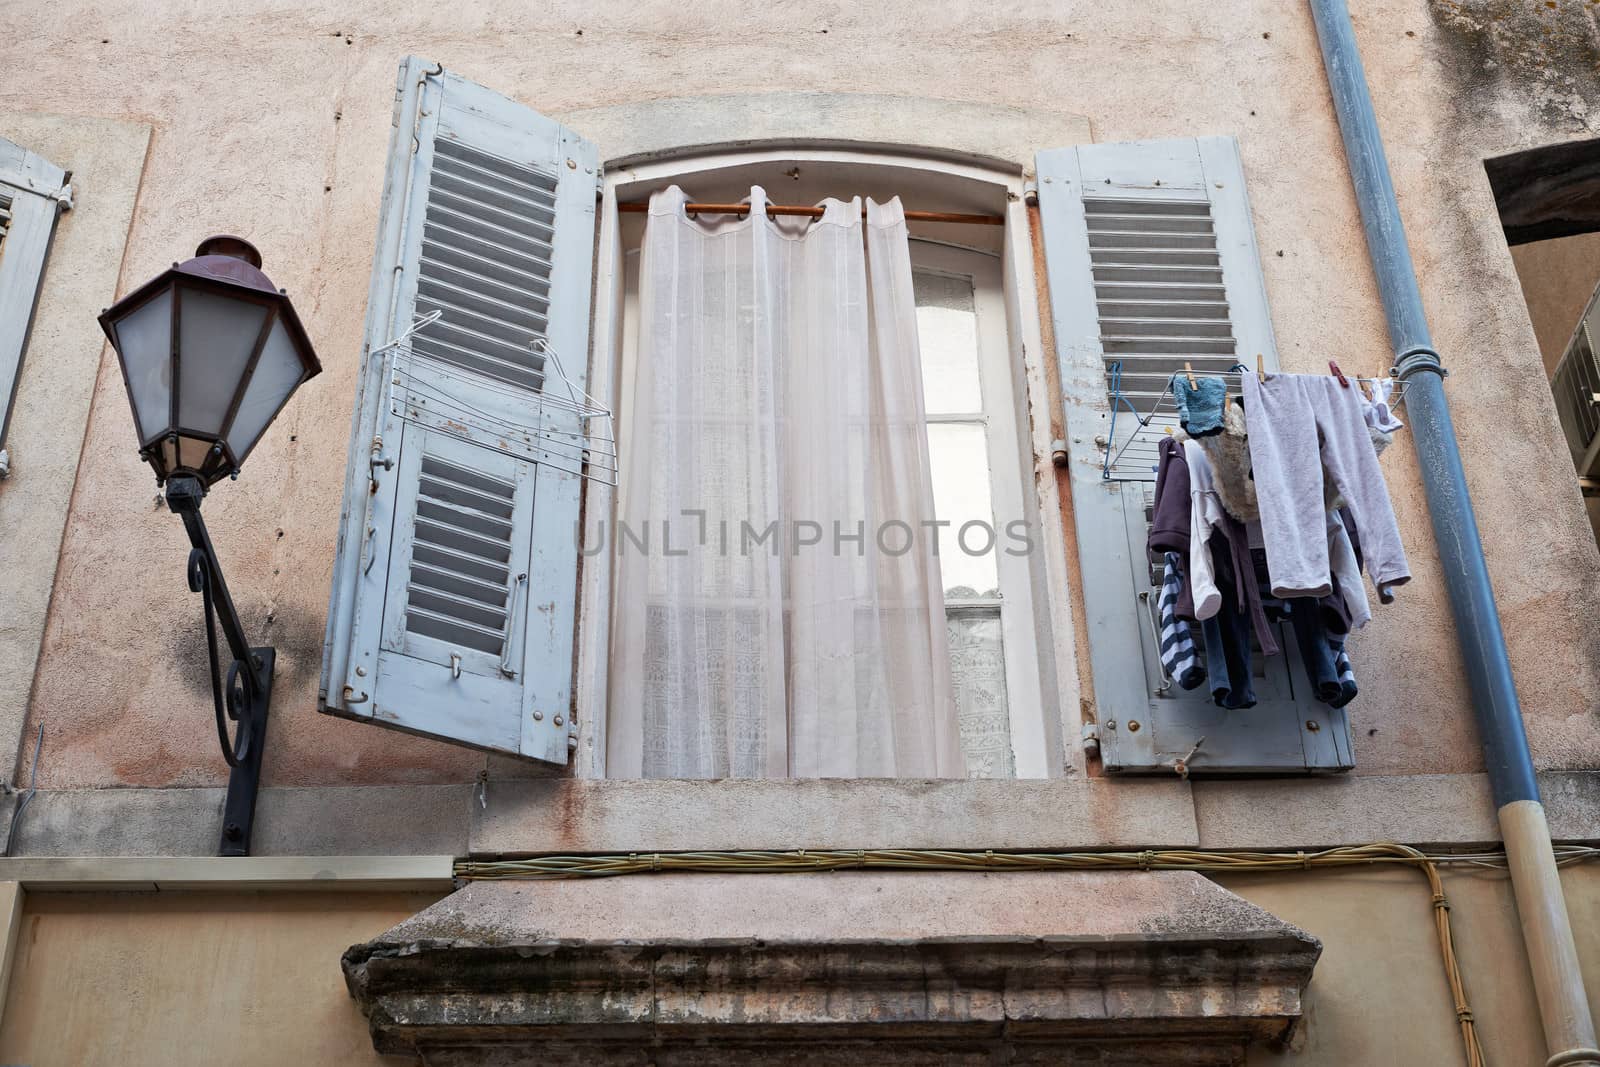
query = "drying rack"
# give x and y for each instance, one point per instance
(558, 424)
(1115, 452)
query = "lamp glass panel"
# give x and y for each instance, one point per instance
(144, 340)
(192, 452)
(277, 373)
(216, 335)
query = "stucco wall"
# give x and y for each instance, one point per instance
(1558, 278)
(126, 978)
(254, 978)
(283, 141)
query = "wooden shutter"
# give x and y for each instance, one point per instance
(452, 612)
(1152, 261)
(33, 192)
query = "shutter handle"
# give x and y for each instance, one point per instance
(1145, 609)
(511, 619)
(455, 665)
(377, 460)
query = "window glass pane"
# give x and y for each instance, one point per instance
(978, 671)
(947, 329)
(959, 455)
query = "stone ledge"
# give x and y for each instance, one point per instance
(585, 815)
(524, 817)
(1446, 810)
(1135, 968)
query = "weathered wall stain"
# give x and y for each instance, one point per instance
(1545, 50)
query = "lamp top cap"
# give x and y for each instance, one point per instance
(226, 244)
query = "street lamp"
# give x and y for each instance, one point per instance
(210, 353)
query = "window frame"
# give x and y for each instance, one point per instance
(1041, 626)
(999, 416)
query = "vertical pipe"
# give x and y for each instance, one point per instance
(1546, 931)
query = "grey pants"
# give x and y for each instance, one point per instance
(1301, 425)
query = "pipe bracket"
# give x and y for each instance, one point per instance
(1415, 360)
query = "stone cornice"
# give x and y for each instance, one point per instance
(1185, 974)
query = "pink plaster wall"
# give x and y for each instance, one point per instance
(273, 125)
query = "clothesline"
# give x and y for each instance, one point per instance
(814, 212)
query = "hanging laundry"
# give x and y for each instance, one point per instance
(1385, 594)
(1237, 567)
(1205, 515)
(1376, 409)
(1170, 515)
(1345, 571)
(1346, 673)
(1219, 553)
(1179, 657)
(1381, 440)
(1228, 659)
(1316, 655)
(1200, 404)
(1229, 453)
(1300, 426)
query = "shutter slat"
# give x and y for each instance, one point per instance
(529, 180)
(1112, 256)
(486, 262)
(451, 581)
(517, 268)
(445, 604)
(1160, 303)
(494, 318)
(1158, 327)
(475, 360)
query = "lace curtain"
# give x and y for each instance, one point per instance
(779, 606)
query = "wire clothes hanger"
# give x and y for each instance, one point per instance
(567, 429)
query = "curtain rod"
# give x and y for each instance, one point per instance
(816, 213)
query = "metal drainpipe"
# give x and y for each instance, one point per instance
(1563, 1005)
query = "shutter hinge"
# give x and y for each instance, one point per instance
(60, 194)
(1091, 738)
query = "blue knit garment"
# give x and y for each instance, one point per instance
(1200, 405)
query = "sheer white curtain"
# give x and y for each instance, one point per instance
(779, 610)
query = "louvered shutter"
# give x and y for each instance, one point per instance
(33, 192)
(452, 612)
(1151, 261)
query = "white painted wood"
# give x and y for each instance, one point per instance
(1010, 497)
(36, 190)
(599, 507)
(487, 218)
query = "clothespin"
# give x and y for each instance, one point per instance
(1188, 372)
(1333, 368)
(1261, 368)
(1366, 390)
